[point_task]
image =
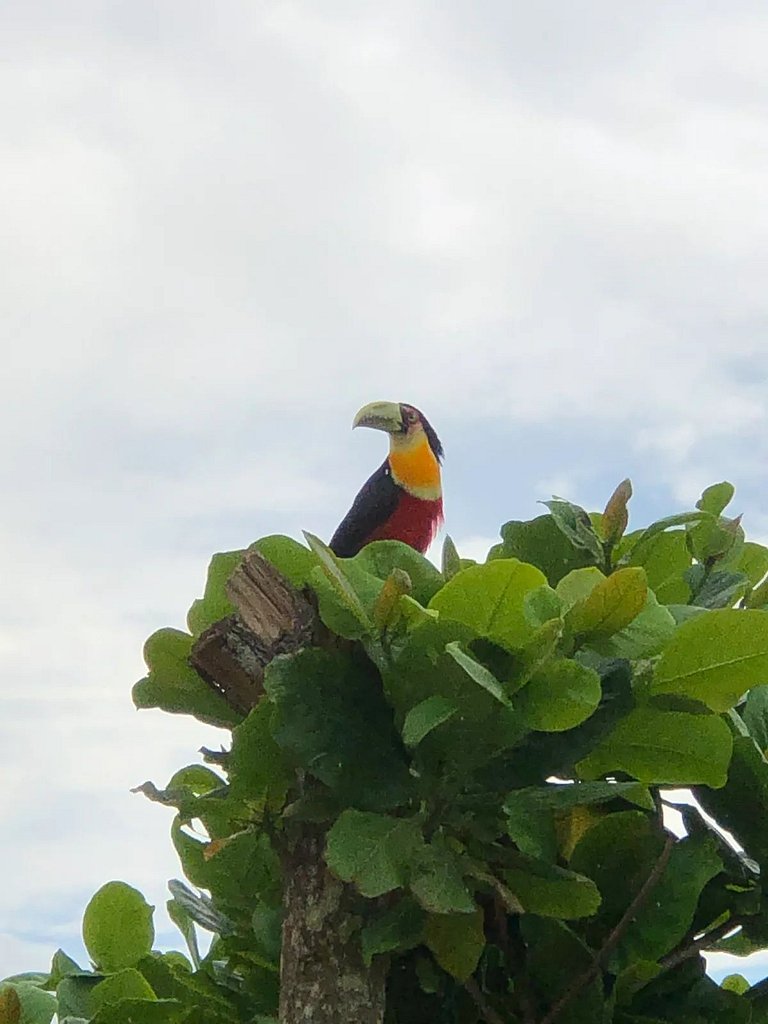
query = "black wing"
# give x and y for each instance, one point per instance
(372, 507)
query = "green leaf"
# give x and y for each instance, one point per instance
(551, 891)
(490, 598)
(125, 984)
(735, 983)
(25, 1003)
(214, 604)
(541, 543)
(718, 589)
(381, 557)
(437, 879)
(117, 927)
(644, 637)
(451, 562)
(478, 673)
(578, 585)
(425, 717)
(334, 608)
(714, 498)
(755, 715)
(142, 1011)
(559, 696)
(716, 657)
(664, 747)
(331, 720)
(615, 517)
(399, 927)
(456, 941)
(73, 995)
(665, 559)
(576, 525)
(373, 851)
(753, 562)
(289, 557)
(331, 568)
(741, 806)
(257, 768)
(541, 606)
(611, 605)
(174, 686)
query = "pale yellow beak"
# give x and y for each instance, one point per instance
(380, 416)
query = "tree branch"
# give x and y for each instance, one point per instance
(615, 936)
(682, 953)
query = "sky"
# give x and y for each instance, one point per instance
(225, 227)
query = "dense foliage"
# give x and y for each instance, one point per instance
(433, 743)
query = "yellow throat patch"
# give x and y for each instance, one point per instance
(414, 466)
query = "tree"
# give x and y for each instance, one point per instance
(444, 796)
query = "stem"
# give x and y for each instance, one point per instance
(678, 956)
(615, 936)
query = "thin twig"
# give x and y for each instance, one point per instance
(488, 1012)
(615, 936)
(678, 956)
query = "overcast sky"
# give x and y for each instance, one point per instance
(227, 226)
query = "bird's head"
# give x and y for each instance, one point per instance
(415, 451)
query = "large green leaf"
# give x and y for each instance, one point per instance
(425, 717)
(437, 879)
(551, 891)
(25, 1003)
(611, 605)
(664, 747)
(490, 599)
(741, 806)
(559, 696)
(665, 559)
(755, 715)
(117, 927)
(380, 557)
(173, 685)
(126, 984)
(753, 562)
(332, 721)
(398, 927)
(289, 557)
(257, 766)
(456, 941)
(715, 497)
(644, 637)
(374, 851)
(716, 657)
(540, 542)
(340, 595)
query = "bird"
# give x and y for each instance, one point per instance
(403, 499)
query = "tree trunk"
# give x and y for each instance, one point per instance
(323, 979)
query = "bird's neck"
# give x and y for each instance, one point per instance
(414, 466)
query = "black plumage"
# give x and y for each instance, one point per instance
(375, 503)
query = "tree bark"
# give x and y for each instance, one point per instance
(323, 979)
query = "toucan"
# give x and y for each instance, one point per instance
(403, 499)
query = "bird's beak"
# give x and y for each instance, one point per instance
(381, 416)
